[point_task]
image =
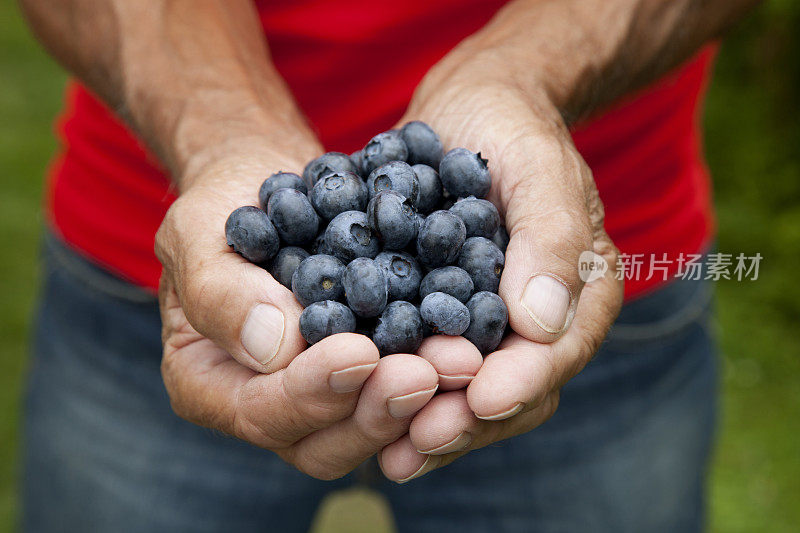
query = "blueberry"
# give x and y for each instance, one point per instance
(430, 188)
(423, 144)
(294, 216)
(488, 319)
(480, 216)
(392, 219)
(326, 318)
(484, 262)
(440, 239)
(327, 164)
(399, 329)
(318, 278)
(500, 238)
(464, 173)
(349, 236)
(365, 287)
(449, 280)
(384, 147)
(319, 246)
(444, 314)
(396, 176)
(357, 158)
(249, 231)
(403, 274)
(279, 180)
(285, 263)
(339, 192)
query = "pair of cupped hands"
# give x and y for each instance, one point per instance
(234, 359)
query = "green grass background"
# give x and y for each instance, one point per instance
(752, 123)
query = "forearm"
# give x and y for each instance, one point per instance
(584, 54)
(192, 77)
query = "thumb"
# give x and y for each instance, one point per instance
(550, 225)
(227, 299)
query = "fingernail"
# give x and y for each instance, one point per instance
(350, 379)
(408, 404)
(463, 440)
(429, 464)
(505, 414)
(547, 300)
(454, 382)
(263, 332)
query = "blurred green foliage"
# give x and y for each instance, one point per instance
(753, 142)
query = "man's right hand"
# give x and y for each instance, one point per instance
(234, 359)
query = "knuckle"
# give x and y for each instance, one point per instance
(562, 232)
(317, 415)
(318, 468)
(312, 413)
(245, 428)
(168, 233)
(374, 435)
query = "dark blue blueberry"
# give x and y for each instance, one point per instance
(384, 147)
(319, 246)
(430, 188)
(464, 173)
(349, 236)
(279, 180)
(484, 263)
(403, 274)
(449, 280)
(395, 176)
(440, 239)
(293, 216)
(249, 231)
(318, 278)
(444, 314)
(392, 218)
(424, 145)
(339, 192)
(399, 329)
(488, 319)
(500, 238)
(480, 216)
(357, 158)
(323, 319)
(285, 263)
(365, 287)
(327, 164)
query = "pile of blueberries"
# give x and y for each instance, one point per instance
(380, 243)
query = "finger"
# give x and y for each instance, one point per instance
(521, 373)
(544, 189)
(229, 300)
(442, 426)
(319, 388)
(455, 359)
(399, 387)
(446, 425)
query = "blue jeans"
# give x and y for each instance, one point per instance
(627, 450)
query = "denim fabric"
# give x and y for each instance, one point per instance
(627, 450)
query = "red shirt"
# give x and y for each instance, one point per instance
(353, 66)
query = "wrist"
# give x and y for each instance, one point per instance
(247, 159)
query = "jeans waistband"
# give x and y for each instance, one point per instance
(59, 254)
